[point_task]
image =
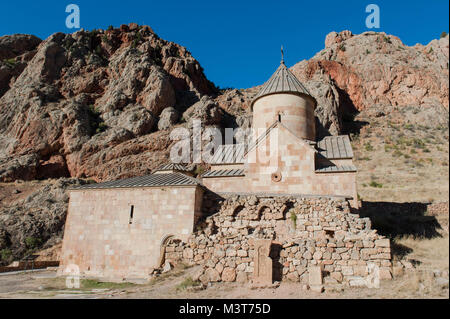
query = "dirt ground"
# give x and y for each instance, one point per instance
(417, 283)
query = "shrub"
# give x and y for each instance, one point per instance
(94, 284)
(105, 39)
(443, 34)
(368, 147)
(375, 184)
(294, 219)
(10, 62)
(417, 143)
(6, 255)
(32, 242)
(95, 121)
(387, 39)
(199, 170)
(342, 47)
(101, 127)
(397, 153)
(188, 282)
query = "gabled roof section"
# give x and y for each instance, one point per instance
(335, 147)
(154, 180)
(337, 169)
(172, 167)
(282, 81)
(224, 173)
(229, 154)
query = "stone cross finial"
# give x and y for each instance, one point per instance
(282, 55)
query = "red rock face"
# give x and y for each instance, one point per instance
(375, 68)
(89, 104)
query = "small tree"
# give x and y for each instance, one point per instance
(443, 34)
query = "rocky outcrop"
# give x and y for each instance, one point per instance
(101, 104)
(85, 96)
(376, 69)
(35, 221)
(15, 52)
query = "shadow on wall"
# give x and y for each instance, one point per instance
(277, 267)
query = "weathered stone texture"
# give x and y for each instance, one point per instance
(304, 232)
(103, 240)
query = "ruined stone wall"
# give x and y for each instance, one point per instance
(305, 232)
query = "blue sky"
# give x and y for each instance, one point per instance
(237, 42)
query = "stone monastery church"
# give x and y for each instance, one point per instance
(128, 228)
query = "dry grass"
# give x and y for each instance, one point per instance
(408, 160)
(432, 253)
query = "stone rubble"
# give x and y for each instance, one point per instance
(306, 233)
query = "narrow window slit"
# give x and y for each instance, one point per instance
(131, 214)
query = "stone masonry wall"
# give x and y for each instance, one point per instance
(305, 232)
(104, 239)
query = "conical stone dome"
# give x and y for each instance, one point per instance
(282, 81)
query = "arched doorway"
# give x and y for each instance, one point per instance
(162, 254)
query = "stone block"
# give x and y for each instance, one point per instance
(357, 282)
(337, 276)
(293, 276)
(360, 271)
(242, 253)
(315, 275)
(383, 243)
(347, 270)
(385, 273)
(241, 277)
(397, 271)
(212, 275)
(316, 288)
(229, 274)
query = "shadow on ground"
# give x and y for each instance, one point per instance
(396, 220)
(401, 219)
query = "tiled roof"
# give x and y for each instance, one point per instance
(224, 173)
(172, 167)
(282, 81)
(335, 147)
(154, 180)
(336, 169)
(229, 154)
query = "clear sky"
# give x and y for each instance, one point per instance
(236, 41)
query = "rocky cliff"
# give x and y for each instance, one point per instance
(101, 104)
(89, 104)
